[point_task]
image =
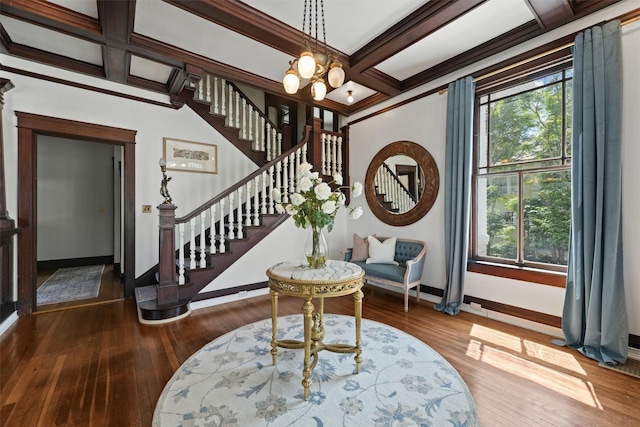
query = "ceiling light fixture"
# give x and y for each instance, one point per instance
(350, 97)
(313, 64)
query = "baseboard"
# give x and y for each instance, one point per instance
(8, 322)
(218, 300)
(74, 262)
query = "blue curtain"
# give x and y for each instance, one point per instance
(457, 191)
(594, 318)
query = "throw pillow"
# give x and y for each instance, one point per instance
(360, 251)
(382, 252)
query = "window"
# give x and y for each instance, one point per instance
(522, 173)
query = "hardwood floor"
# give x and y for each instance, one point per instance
(97, 366)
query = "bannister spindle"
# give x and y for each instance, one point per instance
(334, 156)
(222, 248)
(271, 187)
(208, 93)
(237, 95)
(279, 144)
(216, 100)
(256, 201)
(192, 243)
(323, 156)
(230, 111)
(292, 172)
(278, 182)
(285, 179)
(223, 91)
(244, 118)
(212, 230)
(203, 239)
(181, 253)
(252, 113)
(340, 156)
(269, 147)
(232, 219)
(247, 208)
(262, 135)
(239, 233)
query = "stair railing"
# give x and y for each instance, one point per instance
(209, 228)
(227, 100)
(393, 189)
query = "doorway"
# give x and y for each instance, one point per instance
(78, 222)
(30, 127)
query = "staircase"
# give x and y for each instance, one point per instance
(197, 248)
(391, 192)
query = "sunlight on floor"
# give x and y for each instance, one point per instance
(564, 383)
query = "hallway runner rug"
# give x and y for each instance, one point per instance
(70, 284)
(231, 382)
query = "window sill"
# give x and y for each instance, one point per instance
(550, 278)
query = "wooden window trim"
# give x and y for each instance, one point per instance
(526, 274)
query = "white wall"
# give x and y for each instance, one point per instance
(152, 123)
(75, 199)
(423, 122)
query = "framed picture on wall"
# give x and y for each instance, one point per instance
(189, 156)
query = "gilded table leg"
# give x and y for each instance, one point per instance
(274, 325)
(357, 299)
(307, 311)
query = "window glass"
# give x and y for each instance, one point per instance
(522, 173)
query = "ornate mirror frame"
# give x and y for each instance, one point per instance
(431, 185)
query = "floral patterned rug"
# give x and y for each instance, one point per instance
(232, 382)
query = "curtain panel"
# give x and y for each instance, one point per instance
(457, 191)
(594, 319)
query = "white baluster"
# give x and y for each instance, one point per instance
(244, 118)
(340, 155)
(256, 201)
(181, 253)
(269, 143)
(230, 112)
(239, 233)
(323, 158)
(212, 231)
(292, 172)
(272, 201)
(334, 157)
(256, 145)
(275, 150)
(200, 91)
(247, 207)
(328, 156)
(209, 88)
(237, 95)
(263, 208)
(223, 89)
(216, 100)
(285, 179)
(279, 144)
(203, 239)
(277, 183)
(250, 123)
(262, 135)
(222, 247)
(232, 219)
(192, 243)
(304, 153)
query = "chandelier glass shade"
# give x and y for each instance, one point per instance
(312, 64)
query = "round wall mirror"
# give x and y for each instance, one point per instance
(401, 183)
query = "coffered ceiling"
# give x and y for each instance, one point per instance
(387, 46)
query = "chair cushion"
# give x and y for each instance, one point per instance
(384, 271)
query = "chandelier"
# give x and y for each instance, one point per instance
(313, 64)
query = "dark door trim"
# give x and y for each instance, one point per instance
(29, 127)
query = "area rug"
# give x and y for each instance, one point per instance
(232, 382)
(70, 284)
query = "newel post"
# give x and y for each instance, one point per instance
(314, 154)
(167, 284)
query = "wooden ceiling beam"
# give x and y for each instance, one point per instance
(418, 25)
(551, 14)
(116, 19)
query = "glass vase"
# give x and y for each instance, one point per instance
(316, 250)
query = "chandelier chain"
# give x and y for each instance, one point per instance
(324, 33)
(304, 22)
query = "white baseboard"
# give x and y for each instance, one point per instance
(210, 302)
(8, 322)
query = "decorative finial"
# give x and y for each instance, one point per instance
(163, 187)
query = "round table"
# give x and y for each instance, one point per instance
(337, 278)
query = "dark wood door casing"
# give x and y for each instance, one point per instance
(29, 127)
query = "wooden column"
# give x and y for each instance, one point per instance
(167, 284)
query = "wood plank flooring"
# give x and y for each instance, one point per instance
(97, 366)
